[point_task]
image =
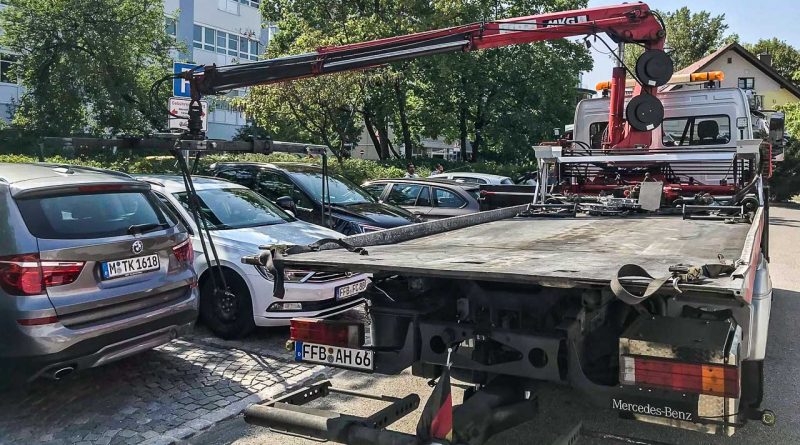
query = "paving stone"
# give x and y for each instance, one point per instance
(171, 390)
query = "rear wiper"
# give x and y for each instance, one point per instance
(138, 229)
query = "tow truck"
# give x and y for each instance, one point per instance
(637, 277)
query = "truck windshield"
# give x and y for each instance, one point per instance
(343, 192)
(696, 130)
(226, 209)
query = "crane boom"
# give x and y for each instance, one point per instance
(624, 23)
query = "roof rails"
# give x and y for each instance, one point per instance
(70, 169)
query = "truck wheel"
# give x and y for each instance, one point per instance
(228, 314)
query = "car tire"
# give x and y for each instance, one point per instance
(228, 316)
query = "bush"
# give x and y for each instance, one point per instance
(357, 170)
(785, 182)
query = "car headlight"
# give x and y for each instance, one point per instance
(289, 275)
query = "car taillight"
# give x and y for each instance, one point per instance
(184, 252)
(27, 275)
(56, 273)
(327, 332)
(21, 275)
(700, 378)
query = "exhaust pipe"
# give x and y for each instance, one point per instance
(60, 373)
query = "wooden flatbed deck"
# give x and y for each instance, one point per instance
(563, 252)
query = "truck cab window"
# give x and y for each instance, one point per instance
(696, 130)
(596, 132)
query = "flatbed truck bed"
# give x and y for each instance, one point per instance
(558, 252)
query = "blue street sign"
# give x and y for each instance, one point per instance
(180, 87)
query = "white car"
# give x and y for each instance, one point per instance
(240, 220)
(475, 178)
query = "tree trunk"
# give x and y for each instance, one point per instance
(371, 131)
(401, 109)
(462, 128)
(479, 122)
(383, 133)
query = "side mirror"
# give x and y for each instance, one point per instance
(777, 123)
(288, 204)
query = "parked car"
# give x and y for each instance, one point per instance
(240, 220)
(93, 268)
(427, 198)
(297, 187)
(475, 178)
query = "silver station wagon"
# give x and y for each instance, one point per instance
(93, 268)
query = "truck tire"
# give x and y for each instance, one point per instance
(752, 384)
(229, 318)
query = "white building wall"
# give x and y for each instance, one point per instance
(735, 66)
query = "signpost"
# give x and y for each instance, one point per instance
(180, 106)
(180, 87)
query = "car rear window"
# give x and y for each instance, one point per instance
(97, 215)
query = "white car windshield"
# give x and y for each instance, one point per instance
(225, 209)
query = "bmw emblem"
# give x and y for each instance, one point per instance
(137, 247)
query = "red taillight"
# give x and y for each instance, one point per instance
(184, 252)
(711, 379)
(327, 332)
(26, 275)
(58, 273)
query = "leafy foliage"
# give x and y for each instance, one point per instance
(786, 177)
(358, 170)
(785, 57)
(500, 100)
(87, 66)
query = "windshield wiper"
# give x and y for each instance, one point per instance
(138, 229)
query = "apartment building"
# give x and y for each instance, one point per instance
(223, 32)
(213, 31)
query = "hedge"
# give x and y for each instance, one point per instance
(357, 170)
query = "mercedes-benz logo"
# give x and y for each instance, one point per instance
(137, 247)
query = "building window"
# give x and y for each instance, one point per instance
(171, 26)
(253, 3)
(730, 59)
(7, 74)
(223, 42)
(231, 6)
(747, 83)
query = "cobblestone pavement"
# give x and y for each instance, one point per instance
(160, 396)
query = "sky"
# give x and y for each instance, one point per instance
(752, 20)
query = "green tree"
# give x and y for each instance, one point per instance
(785, 183)
(785, 57)
(87, 66)
(690, 37)
(498, 99)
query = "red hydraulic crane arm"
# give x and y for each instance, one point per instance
(626, 22)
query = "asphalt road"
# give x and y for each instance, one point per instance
(561, 409)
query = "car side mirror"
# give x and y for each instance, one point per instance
(777, 123)
(288, 204)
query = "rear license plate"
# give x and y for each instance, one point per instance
(129, 266)
(334, 356)
(349, 290)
